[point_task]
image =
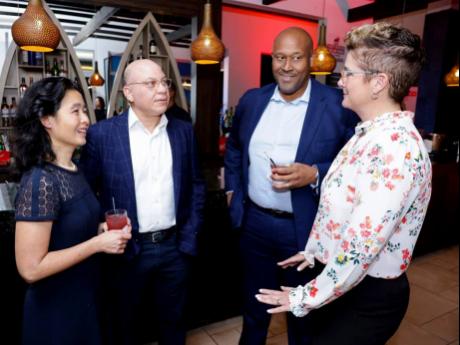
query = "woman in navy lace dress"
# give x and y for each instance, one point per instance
(57, 219)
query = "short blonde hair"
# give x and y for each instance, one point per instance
(390, 49)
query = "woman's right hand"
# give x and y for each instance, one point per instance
(297, 259)
(114, 241)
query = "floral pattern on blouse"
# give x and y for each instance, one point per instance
(373, 202)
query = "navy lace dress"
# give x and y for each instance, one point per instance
(61, 309)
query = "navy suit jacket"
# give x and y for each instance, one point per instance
(327, 127)
(106, 162)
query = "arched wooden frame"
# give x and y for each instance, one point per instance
(147, 28)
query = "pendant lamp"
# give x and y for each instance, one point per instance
(96, 79)
(451, 78)
(322, 61)
(207, 48)
(34, 30)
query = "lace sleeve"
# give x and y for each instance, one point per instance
(38, 197)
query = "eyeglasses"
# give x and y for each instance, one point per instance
(346, 73)
(153, 84)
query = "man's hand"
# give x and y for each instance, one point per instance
(294, 175)
(229, 198)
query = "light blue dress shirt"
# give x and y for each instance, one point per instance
(276, 136)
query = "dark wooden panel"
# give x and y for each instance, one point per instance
(436, 103)
(181, 8)
(269, 2)
(385, 8)
(209, 95)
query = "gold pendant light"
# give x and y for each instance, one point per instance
(34, 30)
(96, 79)
(207, 48)
(322, 61)
(451, 78)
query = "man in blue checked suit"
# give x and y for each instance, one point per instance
(148, 164)
(283, 140)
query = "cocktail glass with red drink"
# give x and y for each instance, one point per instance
(116, 218)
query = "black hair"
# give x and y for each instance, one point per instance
(31, 144)
(101, 100)
(173, 86)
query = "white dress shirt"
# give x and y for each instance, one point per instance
(276, 136)
(153, 176)
(373, 202)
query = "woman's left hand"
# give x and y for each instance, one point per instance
(275, 297)
(102, 228)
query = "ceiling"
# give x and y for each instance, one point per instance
(120, 26)
(174, 17)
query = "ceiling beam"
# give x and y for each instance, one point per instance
(269, 2)
(181, 8)
(95, 23)
(184, 31)
(385, 8)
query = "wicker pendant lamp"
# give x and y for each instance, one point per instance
(322, 61)
(34, 30)
(96, 78)
(207, 48)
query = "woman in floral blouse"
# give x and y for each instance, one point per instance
(373, 201)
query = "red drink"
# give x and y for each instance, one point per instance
(116, 219)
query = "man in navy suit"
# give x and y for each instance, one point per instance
(283, 140)
(147, 163)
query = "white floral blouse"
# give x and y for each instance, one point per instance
(373, 202)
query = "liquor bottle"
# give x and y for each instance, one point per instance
(47, 69)
(140, 54)
(31, 80)
(24, 57)
(5, 156)
(39, 58)
(22, 87)
(152, 47)
(13, 107)
(76, 82)
(5, 112)
(55, 68)
(131, 58)
(31, 57)
(62, 71)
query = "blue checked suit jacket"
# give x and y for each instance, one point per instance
(106, 163)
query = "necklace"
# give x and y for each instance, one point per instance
(70, 167)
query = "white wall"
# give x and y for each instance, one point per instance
(5, 39)
(101, 49)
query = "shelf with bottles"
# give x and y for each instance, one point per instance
(147, 42)
(28, 59)
(7, 113)
(56, 63)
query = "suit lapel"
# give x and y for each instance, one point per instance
(259, 109)
(176, 154)
(312, 120)
(123, 147)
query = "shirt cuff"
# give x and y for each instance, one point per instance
(296, 297)
(316, 184)
(309, 257)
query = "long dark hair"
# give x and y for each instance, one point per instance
(31, 144)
